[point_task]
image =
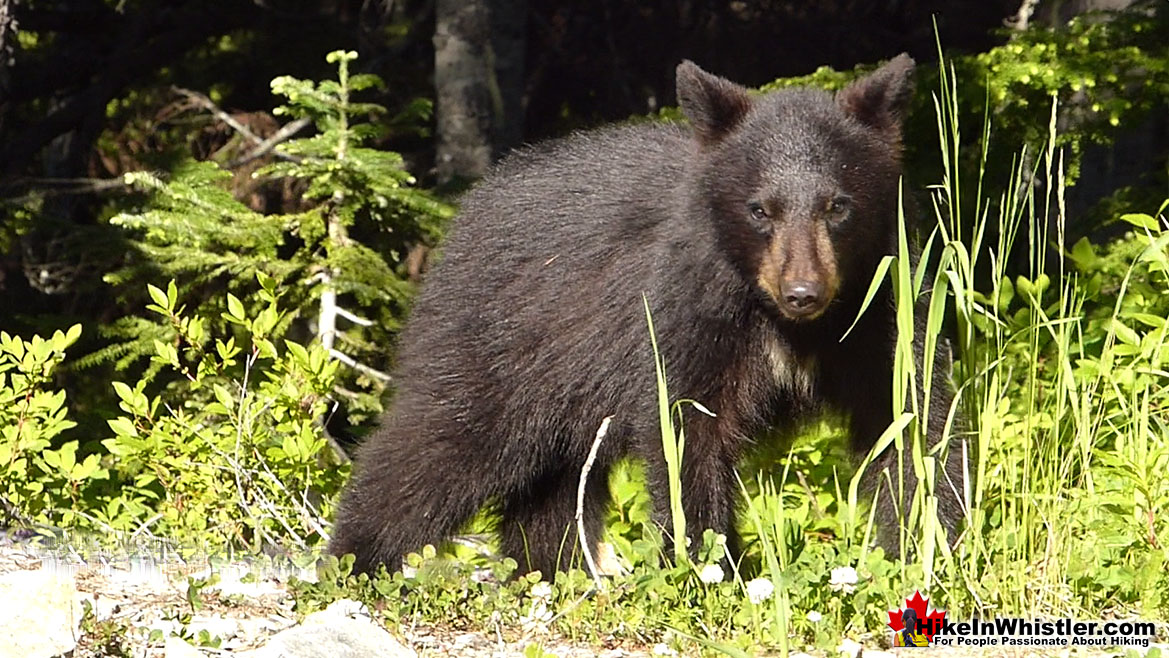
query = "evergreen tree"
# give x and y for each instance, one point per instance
(343, 291)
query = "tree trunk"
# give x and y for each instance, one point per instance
(478, 79)
(1134, 150)
(7, 37)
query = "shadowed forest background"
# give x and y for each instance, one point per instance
(214, 217)
(91, 90)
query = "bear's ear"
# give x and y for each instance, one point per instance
(880, 100)
(713, 105)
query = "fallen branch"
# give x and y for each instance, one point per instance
(32, 188)
(580, 495)
(264, 147)
(209, 105)
(356, 365)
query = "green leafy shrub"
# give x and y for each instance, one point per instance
(340, 257)
(37, 479)
(236, 455)
(1107, 72)
(1092, 410)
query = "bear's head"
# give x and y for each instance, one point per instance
(801, 185)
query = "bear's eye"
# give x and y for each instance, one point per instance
(840, 206)
(758, 212)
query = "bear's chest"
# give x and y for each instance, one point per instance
(789, 371)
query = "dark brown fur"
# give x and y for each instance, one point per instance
(753, 234)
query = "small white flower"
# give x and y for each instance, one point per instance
(814, 616)
(711, 574)
(843, 579)
(348, 608)
(850, 648)
(660, 649)
(541, 590)
(759, 590)
(538, 614)
(537, 618)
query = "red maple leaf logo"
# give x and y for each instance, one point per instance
(931, 620)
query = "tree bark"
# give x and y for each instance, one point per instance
(7, 36)
(1133, 151)
(478, 79)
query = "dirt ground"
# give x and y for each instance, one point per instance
(135, 600)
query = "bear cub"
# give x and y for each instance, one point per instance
(753, 232)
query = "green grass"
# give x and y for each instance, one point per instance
(1063, 394)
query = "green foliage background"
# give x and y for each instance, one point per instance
(215, 394)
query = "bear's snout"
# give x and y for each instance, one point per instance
(803, 299)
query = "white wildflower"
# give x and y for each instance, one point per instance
(538, 614)
(843, 579)
(541, 590)
(850, 648)
(711, 574)
(814, 616)
(759, 590)
(660, 649)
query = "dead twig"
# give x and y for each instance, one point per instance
(31, 188)
(357, 365)
(580, 495)
(209, 105)
(262, 146)
(266, 146)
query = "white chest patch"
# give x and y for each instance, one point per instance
(790, 372)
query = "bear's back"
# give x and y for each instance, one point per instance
(573, 197)
(573, 218)
(554, 247)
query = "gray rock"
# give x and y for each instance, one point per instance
(334, 634)
(252, 631)
(340, 608)
(39, 614)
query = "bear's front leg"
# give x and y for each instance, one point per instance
(538, 526)
(709, 482)
(866, 396)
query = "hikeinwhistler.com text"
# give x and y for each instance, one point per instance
(1018, 632)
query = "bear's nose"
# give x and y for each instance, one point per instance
(803, 296)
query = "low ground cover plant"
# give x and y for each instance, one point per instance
(1060, 363)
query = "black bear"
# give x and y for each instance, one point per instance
(753, 233)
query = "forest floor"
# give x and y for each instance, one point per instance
(233, 617)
